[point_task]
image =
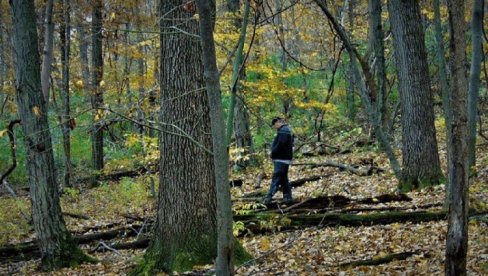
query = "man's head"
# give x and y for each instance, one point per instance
(277, 122)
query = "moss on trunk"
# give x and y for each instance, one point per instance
(185, 258)
(70, 256)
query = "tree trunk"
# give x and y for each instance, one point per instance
(55, 242)
(236, 72)
(83, 46)
(186, 223)
(65, 31)
(225, 243)
(97, 94)
(283, 56)
(376, 38)
(351, 106)
(474, 77)
(242, 129)
(367, 87)
(140, 70)
(445, 93)
(127, 64)
(421, 165)
(457, 232)
(47, 52)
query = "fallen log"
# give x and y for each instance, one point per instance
(380, 260)
(115, 176)
(330, 163)
(31, 250)
(124, 246)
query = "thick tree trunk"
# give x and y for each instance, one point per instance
(55, 242)
(457, 233)
(421, 165)
(474, 77)
(47, 52)
(225, 243)
(186, 223)
(376, 38)
(96, 90)
(65, 31)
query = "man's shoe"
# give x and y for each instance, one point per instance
(287, 200)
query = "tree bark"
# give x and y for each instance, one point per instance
(242, 129)
(47, 52)
(376, 38)
(225, 243)
(65, 31)
(474, 77)
(445, 93)
(96, 90)
(457, 232)
(83, 47)
(185, 233)
(351, 106)
(55, 242)
(236, 72)
(421, 165)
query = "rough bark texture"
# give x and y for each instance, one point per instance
(96, 93)
(186, 223)
(421, 165)
(55, 242)
(376, 38)
(445, 92)
(351, 105)
(47, 52)
(65, 31)
(474, 77)
(225, 243)
(457, 233)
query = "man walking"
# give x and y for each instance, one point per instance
(282, 155)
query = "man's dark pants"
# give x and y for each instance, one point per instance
(280, 178)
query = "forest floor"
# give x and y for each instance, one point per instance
(281, 248)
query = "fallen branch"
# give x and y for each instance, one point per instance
(380, 260)
(330, 163)
(139, 244)
(78, 216)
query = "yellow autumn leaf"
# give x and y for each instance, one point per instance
(3, 132)
(265, 244)
(36, 111)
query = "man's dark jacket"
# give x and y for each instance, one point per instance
(282, 147)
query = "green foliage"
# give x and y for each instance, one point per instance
(13, 226)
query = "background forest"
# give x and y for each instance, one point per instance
(387, 134)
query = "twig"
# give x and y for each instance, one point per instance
(104, 245)
(10, 132)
